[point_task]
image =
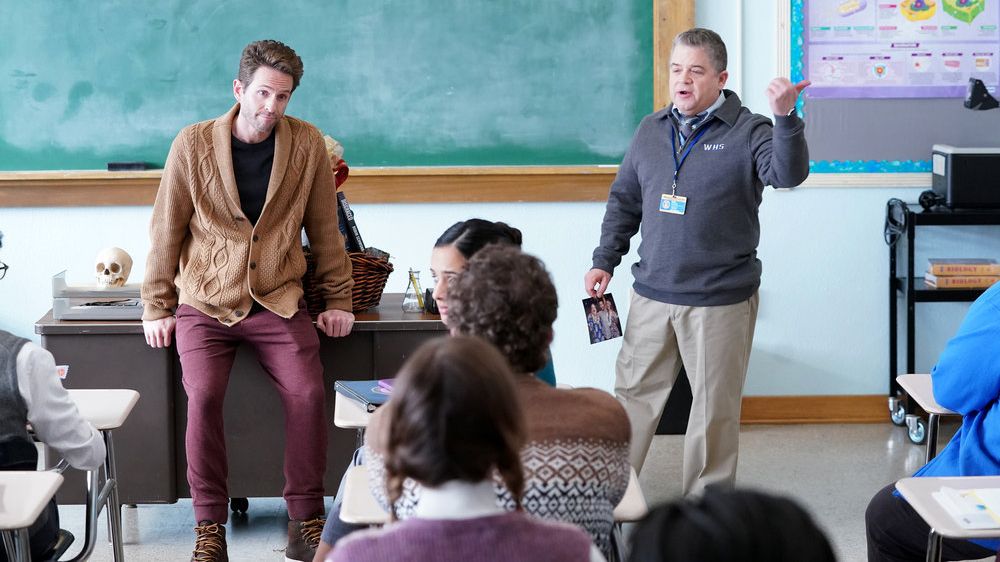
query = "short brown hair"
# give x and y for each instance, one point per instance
(274, 54)
(454, 415)
(507, 298)
(707, 39)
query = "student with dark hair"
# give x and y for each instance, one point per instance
(453, 425)
(730, 526)
(576, 455)
(453, 250)
(469, 236)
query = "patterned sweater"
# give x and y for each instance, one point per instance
(576, 460)
(206, 254)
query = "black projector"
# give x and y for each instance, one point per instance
(966, 178)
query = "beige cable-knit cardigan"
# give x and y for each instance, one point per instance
(206, 254)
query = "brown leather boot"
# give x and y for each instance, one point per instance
(209, 543)
(303, 538)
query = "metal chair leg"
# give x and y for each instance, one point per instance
(933, 421)
(617, 543)
(23, 544)
(933, 547)
(114, 505)
(8, 545)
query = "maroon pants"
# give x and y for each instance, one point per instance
(288, 350)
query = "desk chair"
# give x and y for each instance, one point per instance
(106, 410)
(23, 496)
(350, 414)
(919, 387)
(360, 507)
(918, 493)
(631, 508)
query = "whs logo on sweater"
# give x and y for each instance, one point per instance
(710, 146)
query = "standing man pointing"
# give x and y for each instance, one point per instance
(225, 268)
(692, 179)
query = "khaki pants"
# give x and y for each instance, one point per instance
(713, 344)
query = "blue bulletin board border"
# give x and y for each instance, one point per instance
(797, 29)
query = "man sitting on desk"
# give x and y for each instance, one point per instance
(225, 267)
(966, 380)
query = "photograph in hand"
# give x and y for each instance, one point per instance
(602, 318)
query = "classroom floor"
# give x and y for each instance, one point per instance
(832, 469)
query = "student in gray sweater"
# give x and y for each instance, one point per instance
(692, 180)
(32, 393)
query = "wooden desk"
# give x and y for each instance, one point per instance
(150, 448)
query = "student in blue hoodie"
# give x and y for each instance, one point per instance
(966, 380)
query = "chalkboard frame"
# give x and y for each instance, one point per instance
(378, 185)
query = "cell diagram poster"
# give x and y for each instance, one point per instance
(900, 49)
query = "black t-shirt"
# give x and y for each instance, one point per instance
(252, 167)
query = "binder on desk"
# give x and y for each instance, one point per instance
(370, 394)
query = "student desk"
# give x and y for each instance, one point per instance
(920, 387)
(106, 410)
(150, 448)
(23, 496)
(917, 492)
(361, 508)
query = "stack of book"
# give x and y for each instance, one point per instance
(962, 273)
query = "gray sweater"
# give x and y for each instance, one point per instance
(707, 256)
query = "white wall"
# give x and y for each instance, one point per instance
(823, 322)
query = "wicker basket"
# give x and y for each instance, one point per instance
(370, 275)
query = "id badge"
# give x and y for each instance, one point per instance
(674, 204)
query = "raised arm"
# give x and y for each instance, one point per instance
(780, 152)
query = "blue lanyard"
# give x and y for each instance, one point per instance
(690, 144)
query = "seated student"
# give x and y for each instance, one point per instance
(31, 392)
(576, 458)
(966, 379)
(729, 526)
(454, 422)
(451, 252)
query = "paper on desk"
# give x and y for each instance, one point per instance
(967, 507)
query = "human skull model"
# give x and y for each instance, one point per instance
(112, 267)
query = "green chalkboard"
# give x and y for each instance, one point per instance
(399, 83)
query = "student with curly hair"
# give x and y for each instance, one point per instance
(576, 455)
(451, 252)
(454, 425)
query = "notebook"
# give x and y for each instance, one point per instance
(369, 393)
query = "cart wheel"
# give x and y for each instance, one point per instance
(916, 430)
(239, 505)
(898, 414)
